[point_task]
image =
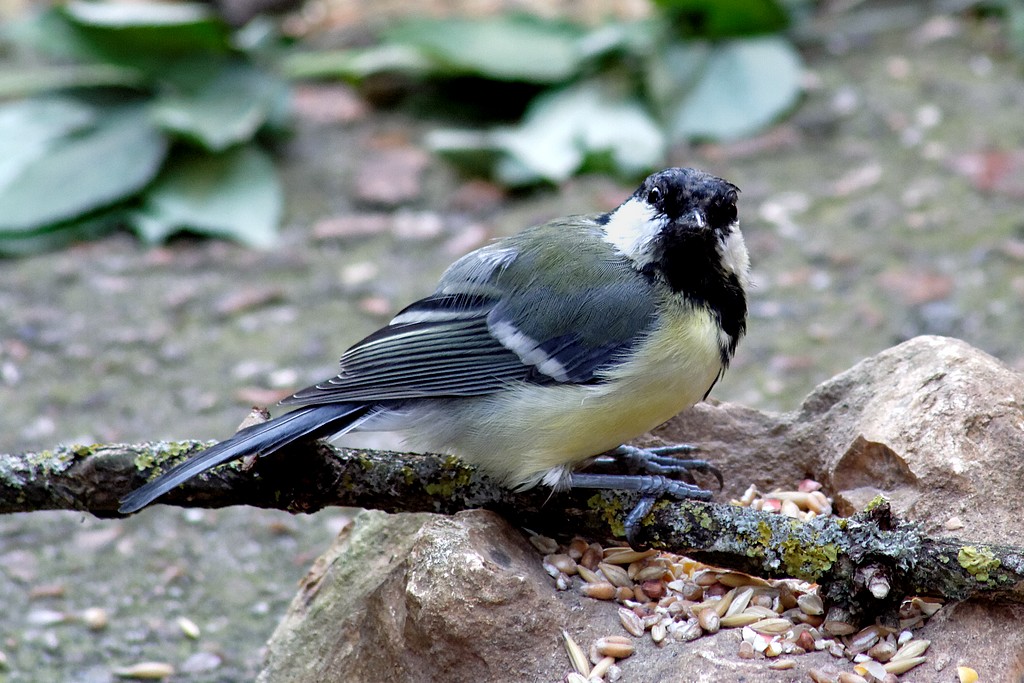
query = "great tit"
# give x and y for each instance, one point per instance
(540, 351)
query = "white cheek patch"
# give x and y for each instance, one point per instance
(733, 252)
(529, 351)
(633, 228)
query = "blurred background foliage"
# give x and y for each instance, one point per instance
(163, 116)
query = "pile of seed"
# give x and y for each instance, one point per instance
(672, 598)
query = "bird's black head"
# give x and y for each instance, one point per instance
(680, 228)
(694, 198)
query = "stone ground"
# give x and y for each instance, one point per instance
(887, 206)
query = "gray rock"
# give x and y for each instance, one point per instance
(933, 424)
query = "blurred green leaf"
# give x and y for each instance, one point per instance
(65, 170)
(1015, 24)
(235, 194)
(120, 30)
(743, 86)
(725, 18)
(28, 129)
(223, 104)
(561, 132)
(51, 33)
(36, 80)
(24, 243)
(504, 48)
(358, 64)
(672, 73)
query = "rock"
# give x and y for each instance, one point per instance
(419, 597)
(933, 424)
(422, 598)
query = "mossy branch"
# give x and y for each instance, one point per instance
(866, 563)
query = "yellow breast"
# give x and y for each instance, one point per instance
(527, 431)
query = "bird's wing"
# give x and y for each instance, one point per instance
(527, 309)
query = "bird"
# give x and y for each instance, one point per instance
(542, 350)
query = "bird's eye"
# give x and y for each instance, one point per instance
(653, 196)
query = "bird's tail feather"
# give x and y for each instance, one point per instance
(305, 423)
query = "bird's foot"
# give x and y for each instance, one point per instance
(662, 460)
(650, 472)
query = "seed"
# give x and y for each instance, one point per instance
(763, 599)
(871, 668)
(864, 639)
(805, 641)
(706, 577)
(149, 671)
(601, 668)
(913, 648)
(850, 677)
(818, 503)
(653, 573)
(748, 497)
(738, 579)
(615, 646)
(599, 591)
(709, 620)
(904, 664)
(573, 677)
(577, 657)
(631, 622)
(819, 676)
(563, 582)
(46, 617)
(790, 509)
(739, 601)
(927, 607)
(741, 619)
(782, 664)
(764, 612)
(576, 548)
(716, 590)
(680, 607)
(588, 575)
(879, 586)
(883, 651)
(691, 591)
(810, 603)
(658, 633)
(653, 589)
(95, 618)
(746, 650)
(838, 628)
(652, 619)
(188, 627)
(544, 544)
(836, 649)
(686, 631)
(622, 594)
(592, 556)
(626, 555)
(966, 674)
(668, 601)
(562, 563)
(772, 625)
(904, 637)
(773, 648)
(615, 574)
